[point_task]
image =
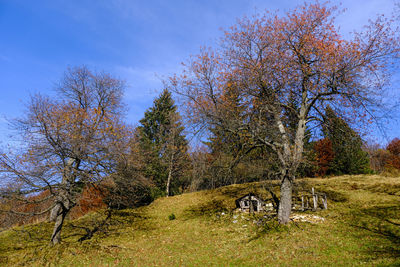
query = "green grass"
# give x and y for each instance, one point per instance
(361, 228)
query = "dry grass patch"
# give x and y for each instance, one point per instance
(361, 228)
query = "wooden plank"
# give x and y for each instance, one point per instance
(325, 202)
(315, 200)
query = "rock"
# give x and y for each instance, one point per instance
(307, 218)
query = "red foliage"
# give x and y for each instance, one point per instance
(90, 200)
(325, 155)
(394, 149)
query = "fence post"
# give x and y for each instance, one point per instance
(325, 202)
(315, 199)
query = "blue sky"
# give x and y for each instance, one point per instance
(138, 41)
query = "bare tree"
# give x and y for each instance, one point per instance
(69, 142)
(285, 68)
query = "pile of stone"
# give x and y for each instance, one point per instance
(307, 218)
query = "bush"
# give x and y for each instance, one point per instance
(394, 149)
(325, 155)
(127, 189)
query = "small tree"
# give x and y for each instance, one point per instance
(70, 141)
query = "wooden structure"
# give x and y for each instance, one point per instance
(250, 203)
(302, 202)
(310, 202)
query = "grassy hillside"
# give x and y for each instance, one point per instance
(361, 227)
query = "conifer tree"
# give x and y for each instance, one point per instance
(232, 151)
(163, 145)
(346, 144)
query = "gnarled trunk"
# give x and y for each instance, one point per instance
(64, 201)
(285, 204)
(58, 214)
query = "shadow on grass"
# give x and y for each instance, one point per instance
(37, 236)
(34, 240)
(265, 190)
(236, 191)
(387, 188)
(383, 222)
(104, 226)
(209, 208)
(267, 224)
(302, 187)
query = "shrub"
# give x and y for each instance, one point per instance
(325, 155)
(394, 149)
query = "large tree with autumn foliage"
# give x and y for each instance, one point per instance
(273, 61)
(69, 142)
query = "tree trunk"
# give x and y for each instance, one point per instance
(169, 175)
(285, 204)
(59, 217)
(54, 212)
(64, 203)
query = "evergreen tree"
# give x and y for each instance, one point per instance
(346, 144)
(224, 137)
(163, 145)
(234, 157)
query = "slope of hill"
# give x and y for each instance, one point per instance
(360, 227)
